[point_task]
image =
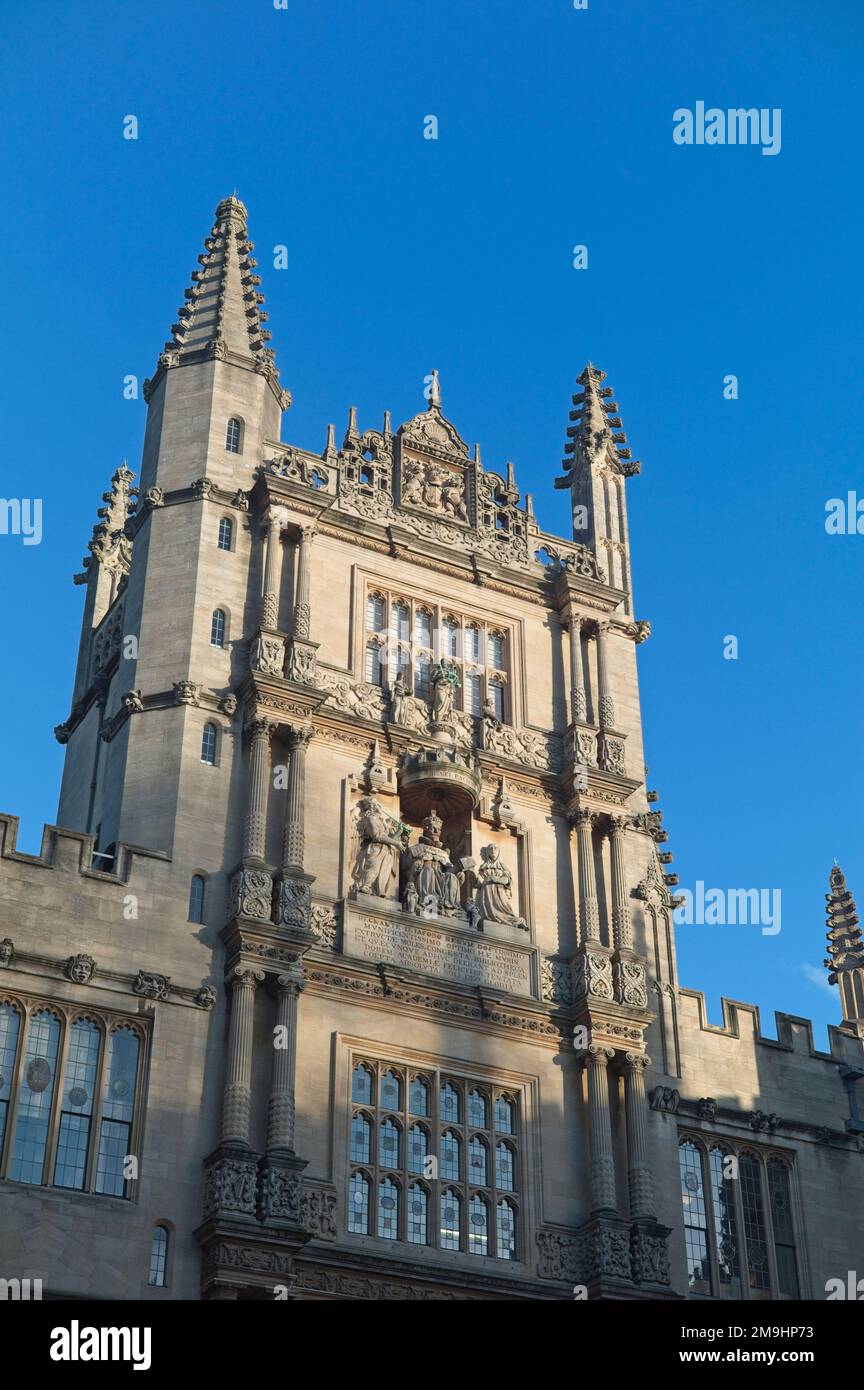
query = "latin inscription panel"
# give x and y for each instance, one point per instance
(446, 955)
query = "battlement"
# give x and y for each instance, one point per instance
(72, 851)
(794, 1034)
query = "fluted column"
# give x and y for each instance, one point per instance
(272, 568)
(578, 700)
(294, 838)
(301, 605)
(597, 1059)
(238, 1073)
(639, 1176)
(606, 708)
(622, 927)
(255, 827)
(280, 1115)
(589, 910)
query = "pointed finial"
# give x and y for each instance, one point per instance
(387, 423)
(435, 390)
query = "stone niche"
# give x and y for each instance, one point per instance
(433, 887)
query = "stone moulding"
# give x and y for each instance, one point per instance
(606, 1251)
(84, 970)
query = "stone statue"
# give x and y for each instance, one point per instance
(493, 899)
(377, 868)
(434, 884)
(445, 681)
(397, 699)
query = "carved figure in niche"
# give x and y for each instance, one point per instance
(493, 899)
(397, 699)
(489, 715)
(445, 682)
(381, 839)
(434, 882)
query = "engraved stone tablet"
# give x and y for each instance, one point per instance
(445, 954)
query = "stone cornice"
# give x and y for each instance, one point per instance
(201, 490)
(84, 971)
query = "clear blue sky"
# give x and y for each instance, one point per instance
(555, 128)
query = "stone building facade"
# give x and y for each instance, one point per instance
(349, 969)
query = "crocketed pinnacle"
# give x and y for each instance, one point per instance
(597, 434)
(222, 316)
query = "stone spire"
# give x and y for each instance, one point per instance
(222, 317)
(109, 545)
(597, 462)
(845, 962)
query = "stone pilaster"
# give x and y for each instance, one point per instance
(603, 1199)
(605, 704)
(276, 519)
(622, 927)
(294, 837)
(280, 1116)
(255, 825)
(302, 612)
(589, 910)
(238, 1072)
(639, 1177)
(578, 697)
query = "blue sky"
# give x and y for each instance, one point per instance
(555, 129)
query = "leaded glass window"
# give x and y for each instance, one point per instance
(451, 1162)
(738, 1222)
(74, 1083)
(158, 1257)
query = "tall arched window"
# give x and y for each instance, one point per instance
(196, 899)
(504, 1115)
(478, 1162)
(451, 1204)
(472, 701)
(504, 1167)
(472, 643)
(423, 627)
(418, 1214)
(226, 533)
(477, 1109)
(361, 1085)
(450, 1154)
(372, 672)
(10, 1029)
(722, 1186)
(695, 1217)
(391, 1091)
(400, 620)
(419, 1096)
(233, 435)
(159, 1258)
(37, 1095)
(784, 1235)
(358, 1205)
(418, 1149)
(361, 1138)
(450, 1103)
(375, 613)
(506, 1249)
(422, 668)
(118, 1111)
(495, 651)
(496, 695)
(217, 628)
(478, 1225)
(389, 1145)
(76, 1105)
(388, 1209)
(208, 745)
(449, 637)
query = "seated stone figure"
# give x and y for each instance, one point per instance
(493, 900)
